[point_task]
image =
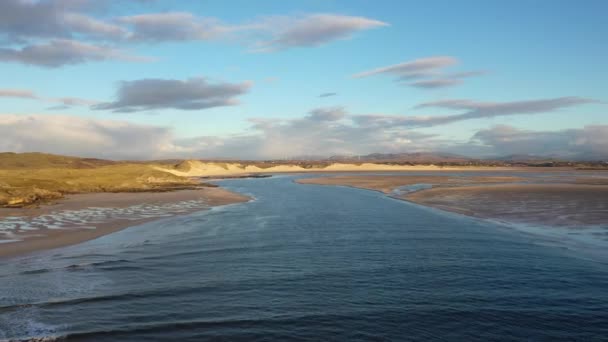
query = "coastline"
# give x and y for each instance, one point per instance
(142, 207)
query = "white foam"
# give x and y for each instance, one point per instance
(88, 218)
(9, 241)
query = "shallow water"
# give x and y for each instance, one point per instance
(306, 262)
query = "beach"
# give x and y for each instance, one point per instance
(82, 217)
(574, 200)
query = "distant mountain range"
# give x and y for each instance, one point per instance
(405, 157)
(440, 157)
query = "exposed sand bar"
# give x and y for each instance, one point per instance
(574, 200)
(388, 183)
(569, 205)
(79, 218)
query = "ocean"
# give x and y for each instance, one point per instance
(310, 263)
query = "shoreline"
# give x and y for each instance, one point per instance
(56, 225)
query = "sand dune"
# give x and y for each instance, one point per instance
(195, 168)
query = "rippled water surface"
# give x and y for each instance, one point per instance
(306, 262)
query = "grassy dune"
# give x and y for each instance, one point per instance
(32, 178)
(10, 161)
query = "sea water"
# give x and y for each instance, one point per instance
(309, 263)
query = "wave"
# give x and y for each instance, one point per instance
(126, 296)
(429, 323)
(81, 266)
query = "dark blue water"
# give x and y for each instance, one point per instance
(308, 263)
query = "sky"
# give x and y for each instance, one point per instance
(270, 79)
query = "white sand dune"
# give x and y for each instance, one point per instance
(196, 168)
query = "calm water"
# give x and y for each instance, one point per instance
(306, 262)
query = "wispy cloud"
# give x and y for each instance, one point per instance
(428, 73)
(269, 33)
(172, 26)
(309, 30)
(19, 93)
(436, 83)
(474, 110)
(62, 52)
(412, 69)
(190, 94)
(483, 109)
(328, 94)
(64, 102)
(327, 114)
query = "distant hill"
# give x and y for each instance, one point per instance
(35, 160)
(417, 157)
(529, 158)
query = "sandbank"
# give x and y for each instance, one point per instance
(575, 200)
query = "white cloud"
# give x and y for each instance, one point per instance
(412, 69)
(172, 26)
(484, 109)
(55, 33)
(436, 83)
(190, 94)
(323, 132)
(71, 135)
(589, 142)
(62, 52)
(473, 110)
(59, 103)
(64, 102)
(25, 19)
(269, 33)
(427, 73)
(18, 93)
(310, 30)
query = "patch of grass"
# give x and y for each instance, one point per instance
(34, 160)
(24, 182)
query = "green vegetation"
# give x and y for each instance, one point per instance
(32, 178)
(10, 160)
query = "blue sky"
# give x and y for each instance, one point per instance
(530, 75)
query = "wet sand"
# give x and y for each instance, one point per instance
(575, 200)
(84, 217)
(388, 183)
(568, 205)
